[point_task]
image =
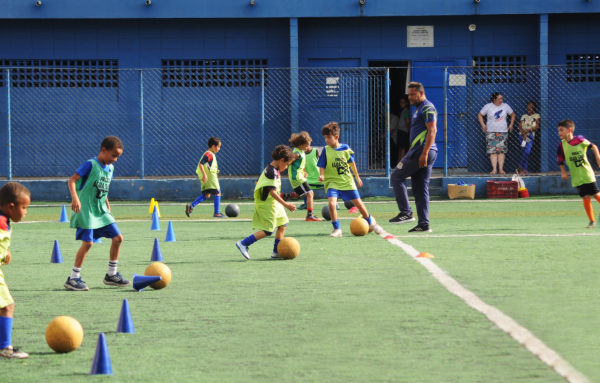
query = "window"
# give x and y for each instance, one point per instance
(499, 70)
(178, 73)
(583, 68)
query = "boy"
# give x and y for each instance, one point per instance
(572, 151)
(334, 164)
(207, 171)
(297, 171)
(14, 200)
(91, 212)
(268, 204)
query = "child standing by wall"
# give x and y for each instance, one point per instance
(335, 163)
(297, 171)
(528, 125)
(207, 171)
(269, 213)
(14, 200)
(572, 152)
(91, 212)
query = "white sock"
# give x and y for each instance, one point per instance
(112, 268)
(76, 273)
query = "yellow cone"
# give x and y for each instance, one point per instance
(425, 255)
(151, 208)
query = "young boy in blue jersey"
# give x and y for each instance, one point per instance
(14, 200)
(91, 212)
(269, 214)
(334, 164)
(207, 170)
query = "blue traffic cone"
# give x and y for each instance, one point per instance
(125, 323)
(63, 215)
(155, 222)
(141, 281)
(56, 255)
(101, 363)
(98, 240)
(156, 253)
(170, 233)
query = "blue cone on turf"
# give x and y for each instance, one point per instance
(56, 255)
(142, 281)
(155, 222)
(125, 323)
(63, 215)
(170, 233)
(101, 364)
(156, 253)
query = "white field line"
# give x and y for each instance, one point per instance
(519, 333)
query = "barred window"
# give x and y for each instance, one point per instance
(178, 73)
(42, 73)
(499, 70)
(583, 68)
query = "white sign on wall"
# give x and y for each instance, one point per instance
(419, 36)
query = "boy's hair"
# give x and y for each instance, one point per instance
(331, 129)
(299, 139)
(111, 142)
(11, 191)
(532, 103)
(417, 86)
(213, 141)
(569, 124)
(282, 152)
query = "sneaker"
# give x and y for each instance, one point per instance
(188, 209)
(243, 249)
(312, 218)
(402, 218)
(218, 215)
(337, 233)
(591, 225)
(9, 352)
(301, 207)
(420, 229)
(75, 284)
(115, 280)
(275, 256)
(353, 210)
(376, 228)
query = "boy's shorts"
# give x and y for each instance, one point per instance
(211, 191)
(88, 235)
(316, 186)
(588, 189)
(5, 298)
(302, 189)
(346, 195)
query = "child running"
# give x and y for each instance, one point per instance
(269, 213)
(335, 163)
(297, 172)
(14, 200)
(572, 152)
(207, 171)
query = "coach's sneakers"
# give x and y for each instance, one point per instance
(420, 229)
(402, 218)
(312, 218)
(275, 255)
(9, 352)
(591, 225)
(75, 284)
(188, 209)
(115, 280)
(243, 249)
(337, 233)
(218, 215)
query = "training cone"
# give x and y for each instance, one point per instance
(155, 222)
(101, 364)
(156, 253)
(125, 323)
(151, 208)
(141, 281)
(56, 255)
(63, 215)
(170, 233)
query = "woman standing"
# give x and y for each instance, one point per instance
(496, 129)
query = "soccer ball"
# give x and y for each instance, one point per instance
(232, 210)
(349, 204)
(325, 213)
(359, 226)
(161, 270)
(288, 248)
(64, 334)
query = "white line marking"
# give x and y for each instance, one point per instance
(519, 333)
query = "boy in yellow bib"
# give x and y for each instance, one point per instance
(297, 173)
(207, 171)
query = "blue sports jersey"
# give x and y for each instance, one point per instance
(423, 113)
(85, 168)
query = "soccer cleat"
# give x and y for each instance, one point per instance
(9, 352)
(188, 209)
(312, 218)
(243, 249)
(301, 207)
(115, 280)
(402, 218)
(275, 255)
(337, 233)
(218, 215)
(591, 225)
(420, 229)
(75, 284)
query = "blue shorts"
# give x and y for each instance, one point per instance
(347, 195)
(88, 235)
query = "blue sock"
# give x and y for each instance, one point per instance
(275, 245)
(217, 204)
(305, 200)
(336, 224)
(201, 198)
(368, 219)
(6, 325)
(249, 240)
